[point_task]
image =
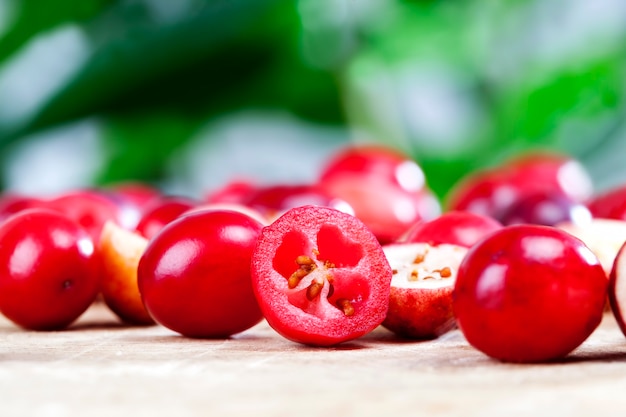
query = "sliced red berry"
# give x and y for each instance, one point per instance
(420, 303)
(320, 276)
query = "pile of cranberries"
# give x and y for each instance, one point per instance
(521, 257)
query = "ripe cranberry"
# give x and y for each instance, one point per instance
(248, 211)
(550, 171)
(90, 209)
(376, 161)
(529, 293)
(487, 193)
(14, 203)
(162, 211)
(194, 276)
(461, 228)
(385, 188)
(617, 288)
(610, 204)
(236, 192)
(491, 192)
(48, 277)
(273, 201)
(320, 276)
(136, 194)
(545, 208)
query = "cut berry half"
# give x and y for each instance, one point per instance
(118, 252)
(420, 301)
(320, 276)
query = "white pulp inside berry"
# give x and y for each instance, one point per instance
(423, 265)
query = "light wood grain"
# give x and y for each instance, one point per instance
(102, 368)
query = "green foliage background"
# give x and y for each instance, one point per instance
(458, 84)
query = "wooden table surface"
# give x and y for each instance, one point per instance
(102, 368)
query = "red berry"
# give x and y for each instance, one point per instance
(273, 201)
(90, 209)
(14, 203)
(420, 302)
(136, 194)
(610, 204)
(376, 161)
(235, 192)
(48, 277)
(194, 276)
(162, 211)
(545, 208)
(617, 288)
(461, 228)
(320, 276)
(491, 192)
(550, 171)
(384, 187)
(529, 293)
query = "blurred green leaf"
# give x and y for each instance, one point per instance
(416, 84)
(33, 17)
(139, 144)
(541, 112)
(150, 65)
(224, 55)
(459, 85)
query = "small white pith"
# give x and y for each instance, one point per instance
(423, 265)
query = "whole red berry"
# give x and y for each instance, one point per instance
(529, 293)
(194, 276)
(48, 277)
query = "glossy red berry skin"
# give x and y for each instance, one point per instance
(550, 171)
(273, 201)
(11, 204)
(48, 276)
(137, 194)
(376, 161)
(162, 211)
(194, 276)
(545, 208)
(461, 228)
(492, 191)
(89, 208)
(529, 293)
(233, 192)
(609, 204)
(385, 188)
